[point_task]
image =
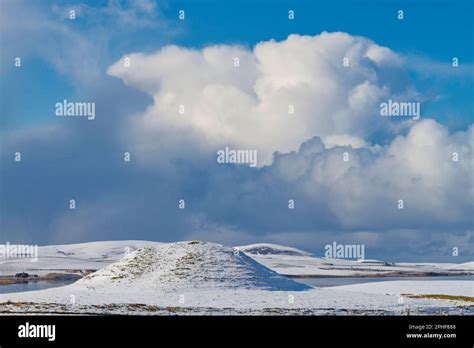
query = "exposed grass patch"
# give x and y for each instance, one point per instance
(16, 304)
(7, 280)
(444, 297)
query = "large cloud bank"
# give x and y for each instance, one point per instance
(336, 112)
(279, 95)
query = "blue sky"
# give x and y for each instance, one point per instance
(65, 59)
(436, 30)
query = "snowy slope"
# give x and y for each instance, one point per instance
(271, 249)
(298, 263)
(467, 266)
(63, 258)
(462, 266)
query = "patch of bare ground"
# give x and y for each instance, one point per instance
(443, 297)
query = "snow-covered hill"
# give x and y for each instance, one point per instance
(187, 265)
(73, 257)
(297, 263)
(271, 249)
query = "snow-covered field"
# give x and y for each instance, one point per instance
(206, 278)
(297, 263)
(433, 287)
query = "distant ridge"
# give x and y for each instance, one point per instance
(273, 249)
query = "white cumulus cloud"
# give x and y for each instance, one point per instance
(249, 106)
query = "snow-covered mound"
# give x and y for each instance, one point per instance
(187, 265)
(271, 249)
